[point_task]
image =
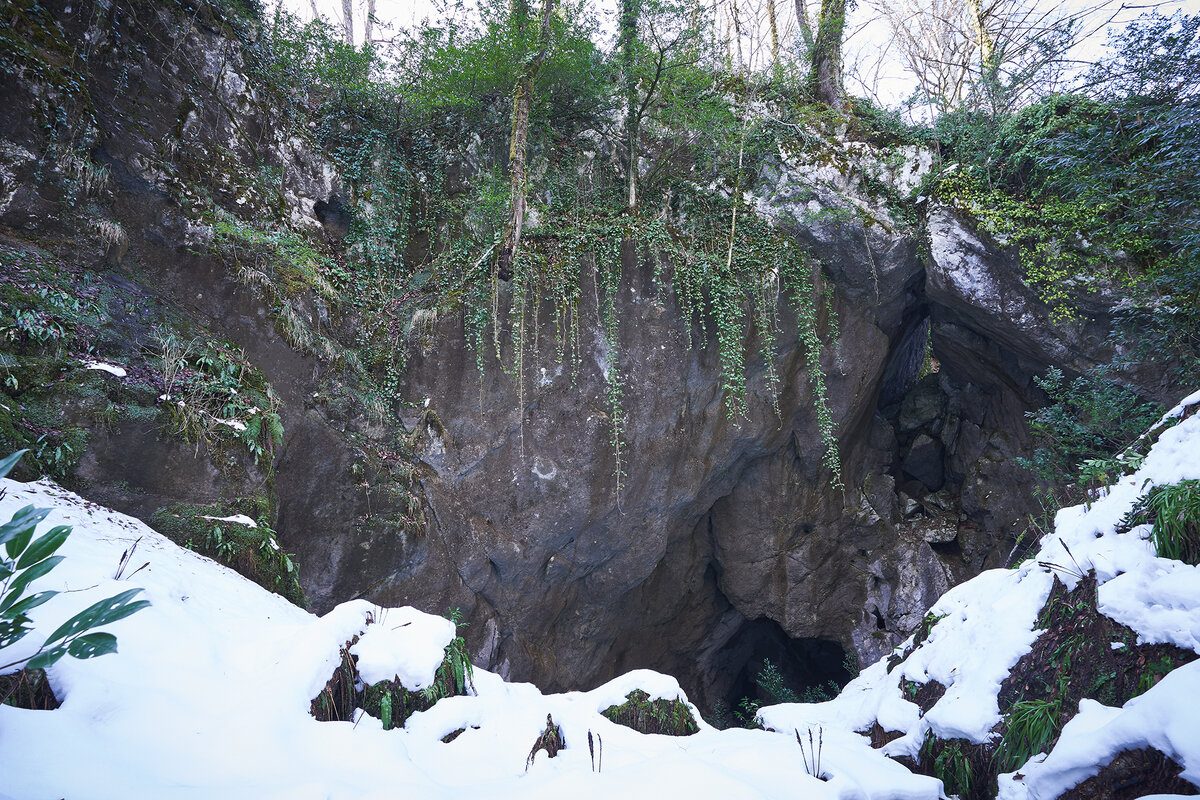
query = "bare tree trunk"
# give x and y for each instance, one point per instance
(628, 40)
(805, 27)
(825, 79)
(774, 31)
(348, 21)
(369, 22)
(737, 32)
(984, 38)
(522, 102)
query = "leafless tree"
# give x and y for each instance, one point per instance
(956, 47)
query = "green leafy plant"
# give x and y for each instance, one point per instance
(1174, 511)
(954, 769)
(770, 683)
(456, 672)
(253, 551)
(25, 560)
(947, 761)
(1030, 727)
(1089, 420)
(1154, 672)
(211, 390)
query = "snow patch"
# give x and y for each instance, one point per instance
(111, 369)
(240, 519)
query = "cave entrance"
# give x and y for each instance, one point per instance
(811, 669)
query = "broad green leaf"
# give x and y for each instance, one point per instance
(33, 601)
(47, 658)
(101, 613)
(22, 581)
(385, 710)
(93, 644)
(22, 523)
(44, 546)
(13, 629)
(10, 462)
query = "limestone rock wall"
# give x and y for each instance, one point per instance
(723, 533)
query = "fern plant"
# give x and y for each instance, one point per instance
(456, 672)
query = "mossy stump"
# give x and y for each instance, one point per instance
(551, 741)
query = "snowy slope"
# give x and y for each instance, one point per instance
(208, 696)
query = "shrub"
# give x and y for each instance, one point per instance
(1088, 420)
(252, 551)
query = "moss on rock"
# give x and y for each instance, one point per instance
(639, 712)
(251, 551)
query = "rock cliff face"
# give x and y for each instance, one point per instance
(726, 541)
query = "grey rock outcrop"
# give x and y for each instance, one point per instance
(712, 540)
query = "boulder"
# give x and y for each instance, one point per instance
(923, 461)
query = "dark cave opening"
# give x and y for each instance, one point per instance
(809, 668)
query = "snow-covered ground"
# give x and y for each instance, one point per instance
(208, 697)
(209, 694)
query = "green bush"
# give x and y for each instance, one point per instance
(251, 551)
(1088, 421)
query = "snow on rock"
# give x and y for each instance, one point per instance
(1163, 718)
(406, 645)
(111, 369)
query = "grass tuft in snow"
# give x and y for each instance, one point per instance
(1174, 511)
(1030, 728)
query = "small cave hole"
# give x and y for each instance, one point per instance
(803, 669)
